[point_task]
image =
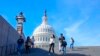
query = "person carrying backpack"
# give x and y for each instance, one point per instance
(61, 38)
(28, 44)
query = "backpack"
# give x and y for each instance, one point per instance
(64, 43)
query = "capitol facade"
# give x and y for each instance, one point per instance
(41, 35)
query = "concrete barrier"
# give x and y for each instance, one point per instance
(8, 37)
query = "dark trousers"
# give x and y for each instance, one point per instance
(27, 48)
(19, 49)
(51, 47)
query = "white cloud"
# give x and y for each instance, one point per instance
(74, 31)
(74, 28)
(82, 38)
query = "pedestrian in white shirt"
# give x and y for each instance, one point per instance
(52, 41)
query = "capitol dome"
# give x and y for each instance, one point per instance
(43, 28)
(42, 33)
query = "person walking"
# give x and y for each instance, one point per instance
(28, 44)
(52, 43)
(33, 40)
(20, 43)
(61, 38)
(72, 43)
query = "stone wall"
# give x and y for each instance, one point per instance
(8, 36)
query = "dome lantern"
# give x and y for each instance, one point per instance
(44, 18)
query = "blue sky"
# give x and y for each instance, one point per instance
(79, 19)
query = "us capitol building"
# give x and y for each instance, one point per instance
(42, 33)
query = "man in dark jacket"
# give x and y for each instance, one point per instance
(61, 39)
(20, 43)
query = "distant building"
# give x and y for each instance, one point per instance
(42, 33)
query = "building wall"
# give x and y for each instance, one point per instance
(42, 40)
(8, 35)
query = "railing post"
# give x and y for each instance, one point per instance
(1, 50)
(10, 49)
(14, 47)
(6, 47)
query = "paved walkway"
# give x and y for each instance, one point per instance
(78, 51)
